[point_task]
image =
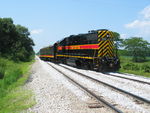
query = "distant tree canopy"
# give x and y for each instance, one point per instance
(134, 46)
(15, 42)
(117, 39)
(137, 47)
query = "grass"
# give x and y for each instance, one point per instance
(13, 97)
(128, 66)
(16, 101)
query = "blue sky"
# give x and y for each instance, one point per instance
(51, 20)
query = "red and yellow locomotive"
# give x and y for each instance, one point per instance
(93, 50)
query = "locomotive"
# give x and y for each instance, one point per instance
(94, 50)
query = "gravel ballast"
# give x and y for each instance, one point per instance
(122, 101)
(128, 85)
(55, 94)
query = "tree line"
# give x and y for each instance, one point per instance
(136, 47)
(15, 41)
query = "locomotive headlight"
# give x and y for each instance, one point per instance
(111, 65)
(107, 35)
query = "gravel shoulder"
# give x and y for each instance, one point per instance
(55, 94)
(122, 101)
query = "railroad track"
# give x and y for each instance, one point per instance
(100, 100)
(117, 76)
(135, 80)
(110, 86)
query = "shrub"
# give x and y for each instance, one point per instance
(146, 68)
(127, 66)
(135, 67)
(131, 66)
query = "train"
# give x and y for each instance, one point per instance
(94, 50)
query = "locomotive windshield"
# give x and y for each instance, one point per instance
(92, 38)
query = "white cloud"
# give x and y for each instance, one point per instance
(141, 25)
(138, 24)
(36, 31)
(146, 12)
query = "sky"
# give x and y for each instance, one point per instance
(51, 20)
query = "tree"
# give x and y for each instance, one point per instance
(7, 35)
(137, 48)
(15, 42)
(25, 43)
(117, 39)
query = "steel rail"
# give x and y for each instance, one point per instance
(140, 81)
(90, 92)
(113, 87)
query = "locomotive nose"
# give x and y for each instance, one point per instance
(106, 44)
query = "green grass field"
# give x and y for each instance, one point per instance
(128, 66)
(13, 97)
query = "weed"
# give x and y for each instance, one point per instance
(13, 98)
